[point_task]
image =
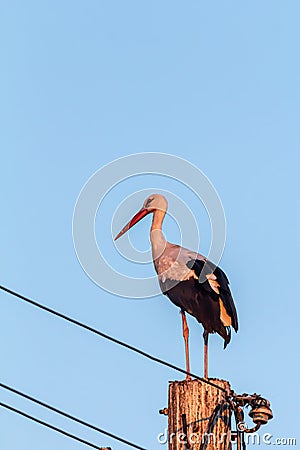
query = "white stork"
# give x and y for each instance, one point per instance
(209, 300)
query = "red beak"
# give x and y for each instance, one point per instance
(142, 213)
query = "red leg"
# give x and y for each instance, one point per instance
(185, 330)
(205, 337)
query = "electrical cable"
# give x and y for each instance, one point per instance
(48, 425)
(110, 338)
(69, 416)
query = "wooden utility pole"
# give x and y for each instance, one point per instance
(193, 418)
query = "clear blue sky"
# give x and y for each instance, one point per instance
(83, 83)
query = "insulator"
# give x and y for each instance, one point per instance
(261, 411)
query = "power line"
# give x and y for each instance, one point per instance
(48, 425)
(69, 416)
(110, 338)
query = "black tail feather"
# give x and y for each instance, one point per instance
(228, 336)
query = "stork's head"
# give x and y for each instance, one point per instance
(155, 202)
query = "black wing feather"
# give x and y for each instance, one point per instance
(208, 267)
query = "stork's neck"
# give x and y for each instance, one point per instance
(158, 241)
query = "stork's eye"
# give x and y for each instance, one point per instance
(148, 202)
